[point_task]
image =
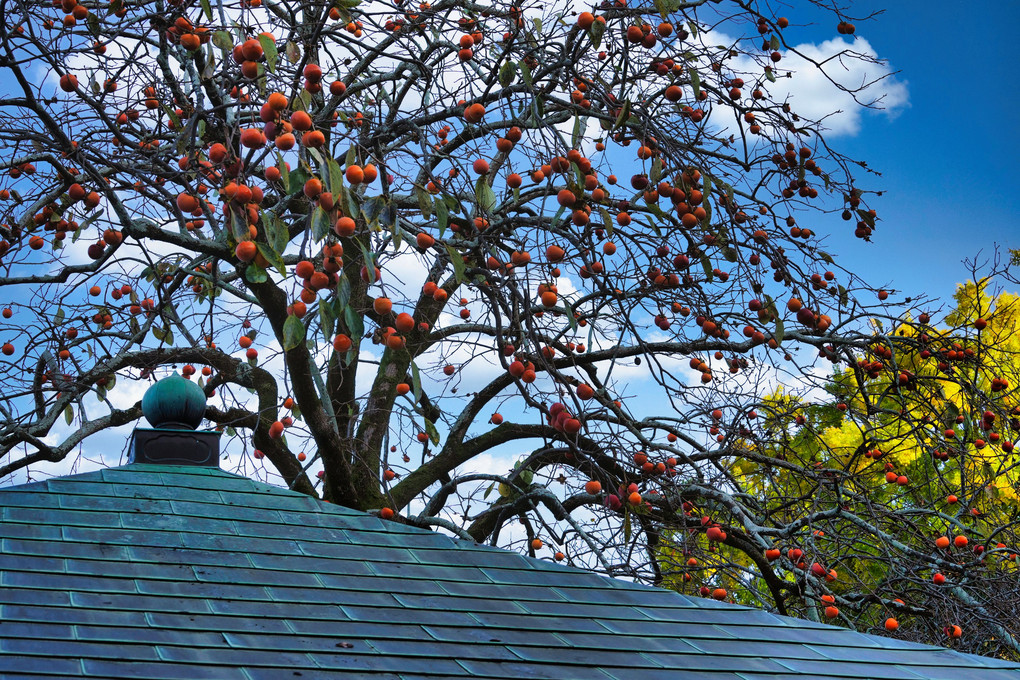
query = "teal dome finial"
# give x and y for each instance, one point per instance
(174, 403)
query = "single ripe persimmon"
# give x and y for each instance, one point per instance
(313, 139)
(283, 142)
(186, 202)
(246, 251)
(355, 174)
(277, 101)
(313, 187)
(474, 113)
(342, 343)
(345, 226)
(189, 41)
(301, 121)
(312, 73)
(566, 198)
(251, 50)
(68, 82)
(252, 138)
(404, 322)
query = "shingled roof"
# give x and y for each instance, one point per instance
(157, 571)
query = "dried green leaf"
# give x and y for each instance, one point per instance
(334, 178)
(597, 30)
(284, 172)
(695, 81)
(507, 72)
(415, 382)
(272, 257)
(624, 115)
(343, 294)
(424, 202)
(371, 209)
(458, 263)
(256, 274)
(293, 333)
(431, 431)
(327, 320)
(484, 195)
(355, 324)
(320, 223)
(239, 225)
(269, 47)
(706, 264)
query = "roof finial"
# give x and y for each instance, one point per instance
(174, 403)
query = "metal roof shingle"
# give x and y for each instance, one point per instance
(150, 571)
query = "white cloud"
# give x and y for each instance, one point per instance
(817, 93)
(822, 79)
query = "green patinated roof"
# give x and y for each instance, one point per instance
(156, 572)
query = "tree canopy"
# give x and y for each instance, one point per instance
(390, 242)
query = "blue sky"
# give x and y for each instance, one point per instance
(948, 159)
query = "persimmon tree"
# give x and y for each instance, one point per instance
(912, 515)
(394, 241)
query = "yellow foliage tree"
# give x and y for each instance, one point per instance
(859, 483)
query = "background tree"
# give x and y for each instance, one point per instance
(913, 513)
(390, 239)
